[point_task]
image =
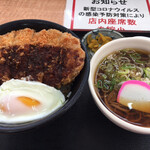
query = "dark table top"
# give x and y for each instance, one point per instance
(83, 127)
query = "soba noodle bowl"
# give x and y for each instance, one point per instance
(112, 72)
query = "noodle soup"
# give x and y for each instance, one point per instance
(115, 69)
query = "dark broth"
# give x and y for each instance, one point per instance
(123, 65)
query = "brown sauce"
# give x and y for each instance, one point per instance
(45, 64)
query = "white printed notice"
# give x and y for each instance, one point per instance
(128, 15)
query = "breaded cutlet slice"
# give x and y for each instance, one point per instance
(75, 55)
(49, 37)
(6, 40)
(49, 56)
(23, 37)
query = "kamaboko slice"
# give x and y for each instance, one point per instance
(135, 95)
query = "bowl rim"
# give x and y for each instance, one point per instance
(112, 117)
(26, 126)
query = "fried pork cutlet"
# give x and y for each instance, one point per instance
(48, 56)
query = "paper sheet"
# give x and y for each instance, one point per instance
(123, 15)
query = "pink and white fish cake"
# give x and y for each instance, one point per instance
(135, 95)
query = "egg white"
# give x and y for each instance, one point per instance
(50, 98)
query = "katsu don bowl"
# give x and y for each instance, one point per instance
(119, 82)
(43, 71)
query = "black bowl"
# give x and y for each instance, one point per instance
(78, 84)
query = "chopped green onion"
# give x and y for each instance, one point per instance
(135, 56)
(106, 86)
(128, 66)
(104, 76)
(111, 87)
(124, 78)
(147, 72)
(140, 61)
(123, 72)
(113, 82)
(99, 84)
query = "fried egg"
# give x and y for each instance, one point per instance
(24, 101)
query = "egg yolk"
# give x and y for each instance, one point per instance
(2, 108)
(18, 105)
(28, 101)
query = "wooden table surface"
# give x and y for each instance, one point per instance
(51, 10)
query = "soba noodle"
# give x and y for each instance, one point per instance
(127, 64)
